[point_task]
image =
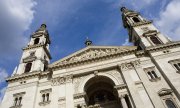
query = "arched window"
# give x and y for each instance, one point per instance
(43, 98)
(28, 67)
(47, 97)
(135, 19)
(170, 104)
(15, 101)
(149, 73)
(176, 66)
(36, 41)
(155, 40)
(20, 99)
(78, 106)
(154, 74)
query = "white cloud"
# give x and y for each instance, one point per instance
(169, 20)
(2, 91)
(3, 75)
(16, 17)
(126, 43)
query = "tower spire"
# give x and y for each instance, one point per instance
(36, 55)
(141, 31)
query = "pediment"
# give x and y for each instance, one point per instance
(92, 53)
(150, 32)
(29, 59)
(164, 91)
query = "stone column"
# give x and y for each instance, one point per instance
(123, 102)
(69, 92)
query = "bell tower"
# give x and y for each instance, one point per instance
(36, 55)
(141, 31)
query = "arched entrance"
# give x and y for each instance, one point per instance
(100, 92)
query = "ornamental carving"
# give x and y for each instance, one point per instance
(76, 82)
(69, 78)
(136, 63)
(130, 65)
(126, 66)
(58, 81)
(93, 53)
(61, 80)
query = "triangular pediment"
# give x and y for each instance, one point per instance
(92, 52)
(164, 91)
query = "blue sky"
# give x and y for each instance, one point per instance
(69, 22)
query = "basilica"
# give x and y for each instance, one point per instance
(145, 75)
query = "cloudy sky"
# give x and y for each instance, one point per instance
(69, 22)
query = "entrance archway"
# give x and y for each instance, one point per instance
(100, 92)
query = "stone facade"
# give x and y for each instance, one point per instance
(146, 75)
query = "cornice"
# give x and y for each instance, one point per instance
(33, 46)
(160, 47)
(23, 76)
(29, 75)
(141, 23)
(37, 46)
(163, 46)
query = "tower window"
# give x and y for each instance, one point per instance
(135, 19)
(28, 67)
(78, 106)
(170, 103)
(36, 41)
(168, 98)
(155, 40)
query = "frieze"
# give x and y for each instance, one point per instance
(126, 66)
(61, 80)
(69, 78)
(58, 81)
(130, 65)
(136, 63)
